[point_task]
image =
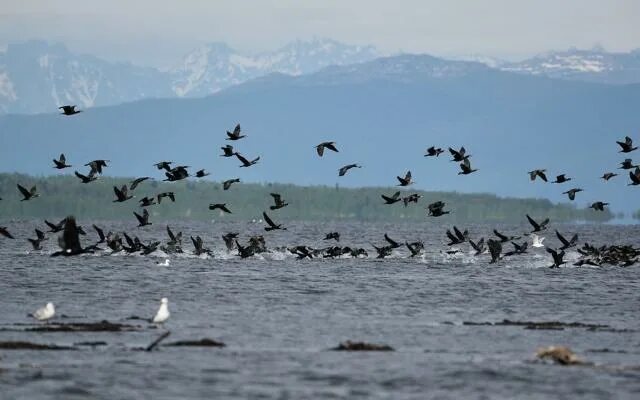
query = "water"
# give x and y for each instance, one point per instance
(279, 316)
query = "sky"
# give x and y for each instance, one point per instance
(159, 32)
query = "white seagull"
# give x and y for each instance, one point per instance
(44, 313)
(163, 264)
(537, 240)
(163, 312)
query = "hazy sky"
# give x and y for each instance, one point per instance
(158, 32)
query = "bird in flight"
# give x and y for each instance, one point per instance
(235, 135)
(245, 162)
(598, 205)
(433, 151)
(572, 193)
(465, 166)
(608, 175)
(134, 183)
(342, 171)
(538, 227)
(391, 199)
(28, 194)
(279, 203)
(170, 195)
(219, 206)
(626, 146)
(272, 225)
(61, 162)
(459, 155)
(69, 110)
(538, 173)
(561, 179)
(143, 220)
(86, 178)
(227, 184)
(406, 181)
(326, 145)
(227, 151)
(122, 194)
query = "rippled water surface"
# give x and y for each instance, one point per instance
(279, 316)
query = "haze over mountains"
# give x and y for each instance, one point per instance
(382, 113)
(36, 76)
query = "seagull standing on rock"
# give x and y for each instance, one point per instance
(45, 313)
(163, 312)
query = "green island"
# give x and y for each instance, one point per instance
(66, 195)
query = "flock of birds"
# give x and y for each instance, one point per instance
(69, 241)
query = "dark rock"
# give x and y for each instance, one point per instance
(102, 326)
(31, 346)
(361, 346)
(197, 343)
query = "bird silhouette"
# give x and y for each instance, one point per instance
(538, 227)
(201, 173)
(227, 184)
(598, 205)
(326, 145)
(391, 199)
(4, 232)
(61, 162)
(279, 203)
(235, 135)
(86, 178)
(69, 110)
(433, 151)
(561, 179)
(122, 194)
(342, 171)
(406, 181)
(538, 173)
(28, 194)
(143, 220)
(170, 195)
(245, 162)
(227, 151)
(608, 175)
(97, 165)
(465, 166)
(271, 225)
(219, 206)
(626, 146)
(459, 155)
(134, 183)
(571, 193)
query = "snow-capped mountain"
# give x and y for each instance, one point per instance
(595, 65)
(216, 66)
(38, 77)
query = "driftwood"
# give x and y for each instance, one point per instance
(551, 325)
(197, 343)
(102, 326)
(18, 345)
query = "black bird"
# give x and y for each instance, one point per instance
(598, 205)
(235, 135)
(458, 238)
(122, 194)
(170, 195)
(4, 232)
(272, 226)
(627, 164)
(143, 220)
(412, 198)
(227, 151)
(69, 242)
(415, 248)
(54, 228)
(608, 175)
(201, 173)
(219, 206)
(572, 193)
(69, 110)
(198, 244)
(244, 252)
(279, 203)
(392, 243)
(557, 258)
(561, 179)
(166, 165)
(635, 177)
(346, 168)
(326, 145)
(567, 243)
(100, 233)
(538, 227)
(35, 243)
(229, 240)
(393, 199)
(86, 178)
(538, 173)
(478, 247)
(227, 184)
(517, 249)
(97, 165)
(245, 162)
(433, 151)
(174, 240)
(406, 181)
(383, 251)
(495, 248)
(28, 194)
(147, 201)
(627, 145)
(61, 162)
(465, 166)
(332, 235)
(504, 238)
(437, 209)
(134, 183)
(177, 173)
(459, 155)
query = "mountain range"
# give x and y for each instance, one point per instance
(382, 113)
(37, 77)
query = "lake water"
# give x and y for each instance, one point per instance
(280, 316)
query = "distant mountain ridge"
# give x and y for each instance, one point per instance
(36, 76)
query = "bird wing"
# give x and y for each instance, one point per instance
(99, 231)
(63, 160)
(343, 171)
(236, 130)
(24, 191)
(500, 235)
(533, 223)
(171, 235)
(542, 176)
(242, 159)
(396, 195)
(634, 178)
(276, 197)
(320, 149)
(268, 220)
(459, 234)
(139, 217)
(331, 146)
(70, 239)
(562, 239)
(390, 241)
(118, 193)
(451, 236)
(255, 160)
